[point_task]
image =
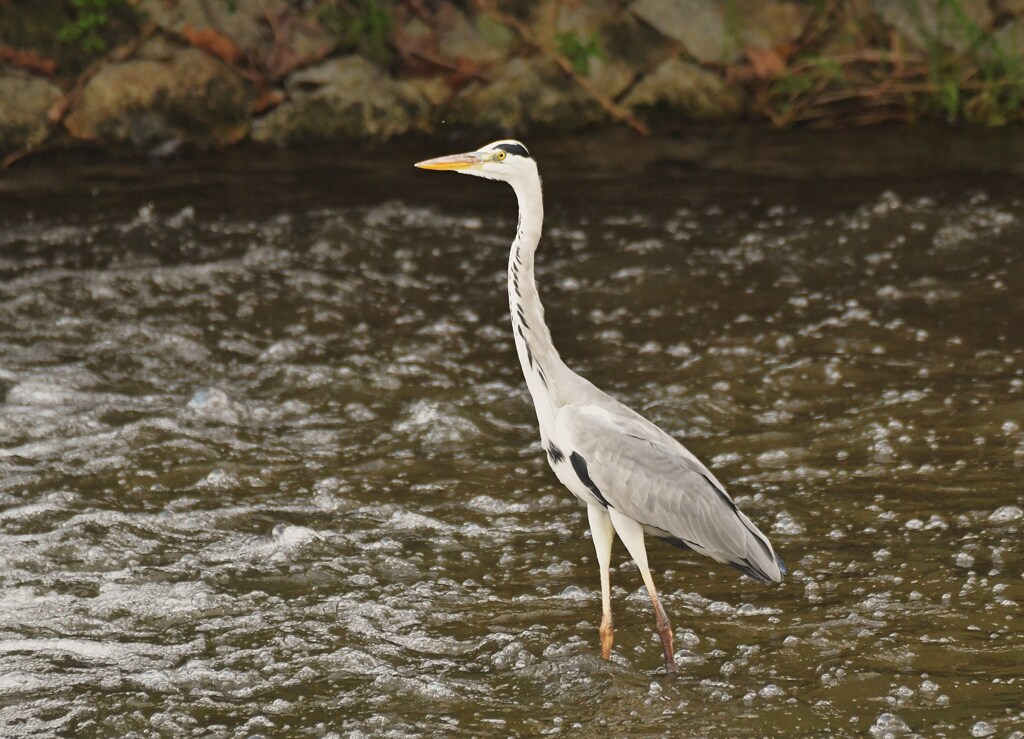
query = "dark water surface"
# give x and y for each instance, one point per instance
(268, 466)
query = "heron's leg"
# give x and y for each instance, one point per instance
(632, 535)
(604, 534)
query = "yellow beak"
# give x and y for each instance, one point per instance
(468, 160)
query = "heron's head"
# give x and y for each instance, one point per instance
(505, 160)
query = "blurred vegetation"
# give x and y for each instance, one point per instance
(88, 27)
(71, 32)
(579, 49)
(850, 69)
(364, 26)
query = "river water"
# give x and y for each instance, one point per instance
(268, 466)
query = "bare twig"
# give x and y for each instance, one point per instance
(870, 56)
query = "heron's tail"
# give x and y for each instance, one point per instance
(761, 562)
(781, 564)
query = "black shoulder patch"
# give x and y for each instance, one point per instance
(517, 149)
(579, 466)
(555, 453)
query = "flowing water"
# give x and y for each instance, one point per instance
(268, 466)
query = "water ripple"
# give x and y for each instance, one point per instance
(278, 474)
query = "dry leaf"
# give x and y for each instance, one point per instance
(214, 42)
(267, 100)
(60, 107)
(766, 63)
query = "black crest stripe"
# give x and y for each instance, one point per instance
(517, 149)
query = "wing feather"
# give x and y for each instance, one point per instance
(647, 475)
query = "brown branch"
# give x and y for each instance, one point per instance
(614, 110)
(28, 60)
(428, 56)
(871, 56)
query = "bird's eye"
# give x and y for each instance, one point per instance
(501, 156)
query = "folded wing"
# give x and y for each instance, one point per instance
(648, 476)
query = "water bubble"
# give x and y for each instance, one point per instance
(213, 404)
(786, 525)
(281, 351)
(1006, 514)
(721, 460)
(294, 536)
(681, 349)
(888, 725)
(774, 458)
(574, 592)
(40, 393)
(182, 217)
(437, 424)
(963, 559)
(689, 639)
(982, 728)
(218, 480)
(279, 706)
(720, 608)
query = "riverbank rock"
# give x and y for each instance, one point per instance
(677, 86)
(191, 98)
(535, 93)
(621, 37)
(242, 21)
(582, 18)
(344, 98)
(926, 22)
(482, 41)
(717, 31)
(24, 103)
(279, 34)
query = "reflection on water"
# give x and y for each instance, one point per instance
(270, 471)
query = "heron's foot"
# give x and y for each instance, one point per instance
(607, 638)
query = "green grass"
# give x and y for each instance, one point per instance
(87, 30)
(956, 71)
(579, 50)
(364, 25)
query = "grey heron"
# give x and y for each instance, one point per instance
(633, 477)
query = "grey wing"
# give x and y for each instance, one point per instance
(648, 476)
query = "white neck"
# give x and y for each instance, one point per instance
(544, 370)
